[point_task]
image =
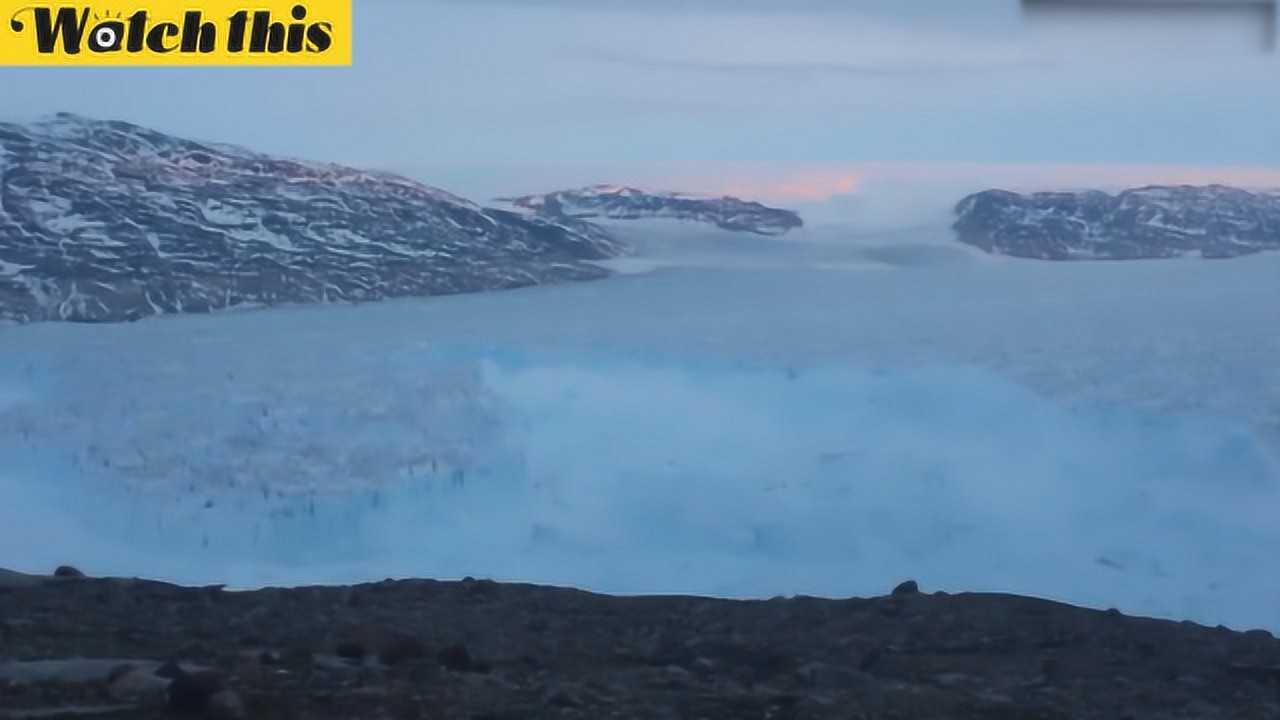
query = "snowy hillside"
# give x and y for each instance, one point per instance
(105, 221)
(1150, 222)
(625, 203)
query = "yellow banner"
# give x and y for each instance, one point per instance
(176, 32)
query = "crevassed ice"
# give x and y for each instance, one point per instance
(1102, 434)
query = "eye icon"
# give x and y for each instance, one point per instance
(107, 35)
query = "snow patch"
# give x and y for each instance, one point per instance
(223, 214)
(8, 269)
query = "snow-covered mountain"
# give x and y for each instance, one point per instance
(106, 221)
(1150, 222)
(624, 203)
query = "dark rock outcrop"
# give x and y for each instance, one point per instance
(624, 203)
(1149, 222)
(908, 587)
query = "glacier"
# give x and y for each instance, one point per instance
(808, 418)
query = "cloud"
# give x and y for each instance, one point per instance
(750, 41)
(490, 98)
(815, 182)
(883, 68)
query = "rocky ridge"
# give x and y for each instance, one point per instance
(90, 647)
(612, 202)
(1212, 221)
(108, 221)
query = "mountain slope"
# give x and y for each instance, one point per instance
(107, 221)
(1150, 222)
(624, 203)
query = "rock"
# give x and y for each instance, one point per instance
(169, 670)
(135, 685)
(67, 571)
(191, 692)
(909, 587)
(456, 658)
(704, 666)
(220, 226)
(891, 607)
(335, 663)
(64, 712)
(1267, 674)
(1150, 222)
(351, 650)
(785, 701)
(623, 203)
(965, 656)
(559, 697)
(1050, 669)
(401, 650)
(226, 705)
(479, 588)
(12, 579)
(766, 664)
(811, 674)
(297, 657)
(818, 675)
(67, 670)
(952, 679)
(871, 659)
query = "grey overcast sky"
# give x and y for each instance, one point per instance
(797, 99)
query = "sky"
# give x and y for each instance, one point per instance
(799, 101)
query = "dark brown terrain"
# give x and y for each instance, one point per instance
(478, 650)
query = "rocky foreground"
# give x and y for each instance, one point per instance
(81, 647)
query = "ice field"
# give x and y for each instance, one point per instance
(828, 421)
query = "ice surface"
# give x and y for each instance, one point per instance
(9, 269)
(830, 421)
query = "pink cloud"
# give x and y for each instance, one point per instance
(810, 183)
